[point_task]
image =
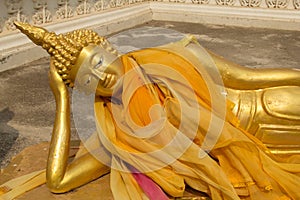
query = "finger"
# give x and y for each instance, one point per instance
(52, 67)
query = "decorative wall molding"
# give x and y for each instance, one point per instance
(46, 11)
(297, 4)
(250, 3)
(42, 15)
(277, 3)
(108, 17)
(16, 48)
(227, 15)
(15, 12)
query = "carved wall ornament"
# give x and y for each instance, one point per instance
(277, 3)
(13, 6)
(39, 4)
(177, 1)
(9, 24)
(101, 5)
(64, 11)
(42, 17)
(42, 14)
(225, 2)
(200, 1)
(250, 3)
(121, 2)
(113, 3)
(14, 10)
(84, 7)
(117, 3)
(135, 1)
(62, 2)
(297, 4)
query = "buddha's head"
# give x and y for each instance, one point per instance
(81, 57)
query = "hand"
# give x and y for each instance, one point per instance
(57, 85)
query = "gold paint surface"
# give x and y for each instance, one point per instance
(266, 102)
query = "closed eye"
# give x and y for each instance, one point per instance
(88, 81)
(99, 64)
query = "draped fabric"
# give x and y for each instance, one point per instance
(147, 118)
(156, 126)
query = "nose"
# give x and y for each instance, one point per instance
(99, 73)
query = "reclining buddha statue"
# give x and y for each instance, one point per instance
(164, 121)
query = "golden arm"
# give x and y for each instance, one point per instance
(61, 176)
(244, 78)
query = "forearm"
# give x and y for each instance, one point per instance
(61, 175)
(239, 77)
(236, 76)
(60, 141)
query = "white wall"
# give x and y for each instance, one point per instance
(16, 49)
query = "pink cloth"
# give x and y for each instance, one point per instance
(151, 189)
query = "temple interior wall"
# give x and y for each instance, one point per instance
(110, 16)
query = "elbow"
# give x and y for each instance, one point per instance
(55, 180)
(56, 187)
(56, 184)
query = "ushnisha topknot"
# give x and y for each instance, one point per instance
(64, 48)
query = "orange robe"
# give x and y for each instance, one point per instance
(153, 129)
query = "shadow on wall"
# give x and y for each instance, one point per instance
(8, 134)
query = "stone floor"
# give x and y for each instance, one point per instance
(27, 106)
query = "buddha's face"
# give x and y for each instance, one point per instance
(97, 70)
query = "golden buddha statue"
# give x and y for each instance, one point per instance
(154, 111)
(266, 102)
